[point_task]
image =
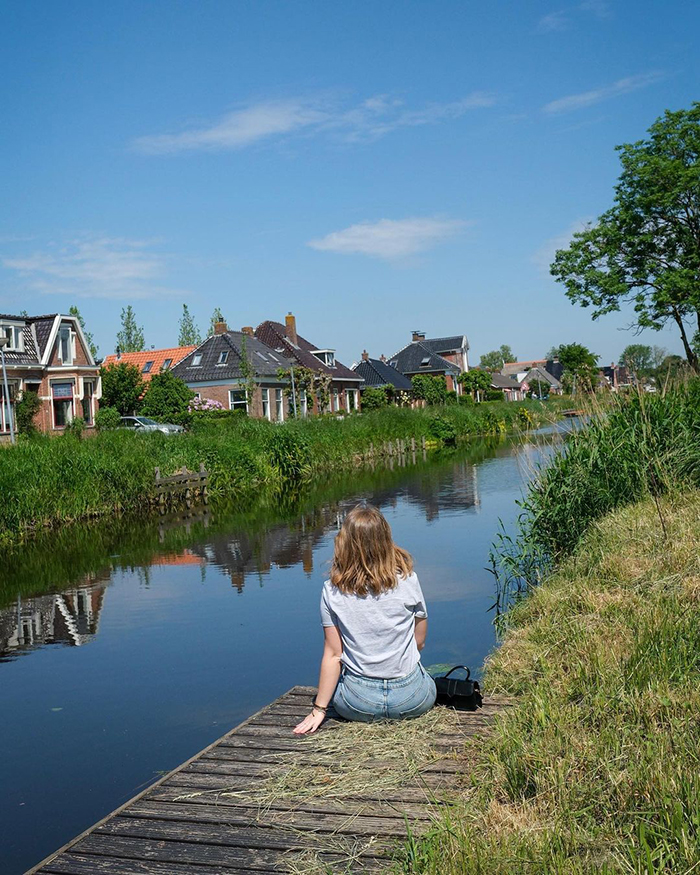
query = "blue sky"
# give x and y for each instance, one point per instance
(374, 167)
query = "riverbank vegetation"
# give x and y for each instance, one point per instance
(47, 481)
(596, 769)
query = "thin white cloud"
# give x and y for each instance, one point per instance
(564, 19)
(268, 120)
(90, 266)
(606, 92)
(390, 239)
(544, 256)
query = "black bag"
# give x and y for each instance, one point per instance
(461, 693)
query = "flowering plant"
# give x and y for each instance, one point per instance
(198, 405)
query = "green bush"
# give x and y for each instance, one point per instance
(122, 387)
(166, 397)
(466, 400)
(25, 411)
(75, 428)
(451, 398)
(443, 430)
(107, 418)
(374, 397)
(493, 395)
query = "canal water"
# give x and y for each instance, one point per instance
(127, 646)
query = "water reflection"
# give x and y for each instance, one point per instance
(69, 618)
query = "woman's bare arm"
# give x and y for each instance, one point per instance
(420, 631)
(327, 681)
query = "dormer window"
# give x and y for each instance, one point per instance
(196, 360)
(15, 337)
(166, 365)
(424, 362)
(325, 356)
(65, 339)
(147, 368)
(223, 357)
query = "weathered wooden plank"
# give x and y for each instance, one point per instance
(238, 829)
(77, 864)
(265, 769)
(251, 749)
(235, 783)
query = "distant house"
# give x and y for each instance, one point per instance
(286, 341)
(378, 373)
(152, 361)
(441, 356)
(616, 376)
(239, 371)
(510, 386)
(520, 370)
(49, 355)
(540, 375)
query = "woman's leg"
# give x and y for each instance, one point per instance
(413, 697)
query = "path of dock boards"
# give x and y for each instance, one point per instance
(208, 815)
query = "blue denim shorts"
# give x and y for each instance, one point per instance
(368, 699)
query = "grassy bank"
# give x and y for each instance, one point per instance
(597, 768)
(47, 482)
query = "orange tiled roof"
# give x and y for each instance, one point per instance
(187, 557)
(157, 356)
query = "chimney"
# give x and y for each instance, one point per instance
(365, 355)
(248, 329)
(418, 335)
(220, 328)
(382, 358)
(291, 325)
(119, 353)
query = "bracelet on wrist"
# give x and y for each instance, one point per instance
(314, 704)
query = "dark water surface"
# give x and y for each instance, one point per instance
(125, 647)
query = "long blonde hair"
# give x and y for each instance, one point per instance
(366, 559)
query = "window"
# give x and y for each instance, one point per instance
(62, 403)
(66, 345)
(147, 368)
(166, 364)
(264, 358)
(424, 362)
(279, 405)
(351, 399)
(273, 357)
(238, 399)
(327, 356)
(196, 360)
(336, 401)
(304, 403)
(15, 337)
(223, 358)
(6, 407)
(393, 363)
(265, 403)
(88, 392)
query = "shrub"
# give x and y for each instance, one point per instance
(374, 397)
(466, 400)
(442, 429)
(493, 395)
(451, 398)
(25, 411)
(167, 396)
(429, 388)
(107, 418)
(75, 428)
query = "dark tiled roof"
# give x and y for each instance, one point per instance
(32, 351)
(265, 362)
(499, 381)
(544, 376)
(274, 335)
(445, 344)
(409, 360)
(378, 373)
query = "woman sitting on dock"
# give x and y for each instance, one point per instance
(374, 622)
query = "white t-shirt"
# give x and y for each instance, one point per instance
(377, 631)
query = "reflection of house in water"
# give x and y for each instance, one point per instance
(70, 617)
(451, 489)
(285, 546)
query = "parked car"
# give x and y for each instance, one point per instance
(144, 424)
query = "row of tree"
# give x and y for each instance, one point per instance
(131, 337)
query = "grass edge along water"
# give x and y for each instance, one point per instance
(50, 481)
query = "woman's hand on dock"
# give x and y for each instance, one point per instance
(310, 723)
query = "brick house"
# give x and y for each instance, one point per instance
(446, 357)
(152, 361)
(215, 371)
(344, 383)
(49, 355)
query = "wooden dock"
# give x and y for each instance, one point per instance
(213, 813)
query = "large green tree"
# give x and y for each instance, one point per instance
(430, 388)
(638, 358)
(189, 332)
(122, 387)
(130, 337)
(645, 250)
(494, 360)
(475, 382)
(580, 367)
(88, 335)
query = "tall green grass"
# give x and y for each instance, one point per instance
(597, 767)
(46, 481)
